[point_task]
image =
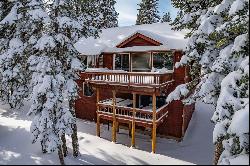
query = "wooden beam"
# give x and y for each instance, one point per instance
(130, 129)
(133, 121)
(154, 125)
(98, 127)
(114, 119)
(152, 60)
(130, 62)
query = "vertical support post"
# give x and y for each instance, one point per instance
(130, 129)
(133, 121)
(114, 56)
(152, 60)
(154, 125)
(130, 62)
(98, 133)
(114, 119)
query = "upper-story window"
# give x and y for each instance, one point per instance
(141, 62)
(122, 62)
(90, 61)
(100, 61)
(163, 60)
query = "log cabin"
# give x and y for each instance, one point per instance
(129, 73)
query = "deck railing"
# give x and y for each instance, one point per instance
(141, 115)
(130, 78)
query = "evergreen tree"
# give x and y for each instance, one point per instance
(5, 7)
(91, 19)
(166, 17)
(108, 14)
(217, 53)
(55, 65)
(148, 12)
(13, 68)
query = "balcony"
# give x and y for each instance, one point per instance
(128, 80)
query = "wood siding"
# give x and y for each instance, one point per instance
(108, 61)
(139, 42)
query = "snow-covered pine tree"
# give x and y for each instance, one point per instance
(108, 14)
(231, 117)
(13, 67)
(217, 53)
(166, 17)
(148, 12)
(54, 75)
(5, 7)
(91, 19)
(55, 66)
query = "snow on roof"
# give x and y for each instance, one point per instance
(110, 38)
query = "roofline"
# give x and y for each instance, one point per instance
(124, 52)
(138, 34)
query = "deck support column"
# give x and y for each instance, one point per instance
(133, 121)
(154, 125)
(98, 127)
(114, 118)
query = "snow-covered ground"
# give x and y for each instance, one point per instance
(197, 147)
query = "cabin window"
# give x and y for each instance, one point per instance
(163, 60)
(141, 62)
(122, 62)
(100, 61)
(87, 90)
(83, 60)
(89, 61)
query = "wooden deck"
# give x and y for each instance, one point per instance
(113, 110)
(143, 117)
(139, 82)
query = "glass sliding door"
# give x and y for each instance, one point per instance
(141, 62)
(122, 62)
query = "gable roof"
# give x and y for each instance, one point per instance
(143, 34)
(110, 38)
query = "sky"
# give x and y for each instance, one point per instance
(127, 10)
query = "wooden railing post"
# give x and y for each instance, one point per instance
(114, 118)
(133, 121)
(154, 79)
(154, 125)
(98, 133)
(129, 79)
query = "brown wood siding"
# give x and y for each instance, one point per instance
(188, 112)
(138, 41)
(140, 36)
(108, 61)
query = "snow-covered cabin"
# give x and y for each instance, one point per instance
(129, 72)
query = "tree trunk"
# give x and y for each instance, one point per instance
(64, 146)
(43, 147)
(60, 155)
(74, 136)
(218, 152)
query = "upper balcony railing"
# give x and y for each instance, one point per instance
(129, 78)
